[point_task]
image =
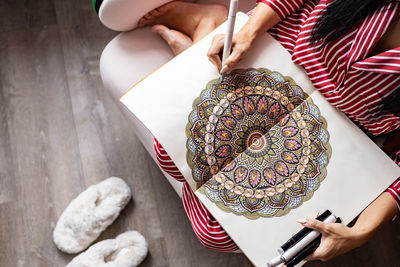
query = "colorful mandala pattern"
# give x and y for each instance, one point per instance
(257, 143)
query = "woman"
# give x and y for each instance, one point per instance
(350, 50)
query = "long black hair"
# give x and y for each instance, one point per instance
(342, 15)
(339, 18)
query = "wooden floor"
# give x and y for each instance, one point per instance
(60, 132)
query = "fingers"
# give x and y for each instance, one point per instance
(320, 253)
(215, 50)
(239, 48)
(327, 250)
(315, 224)
(233, 58)
(331, 233)
(336, 239)
(240, 45)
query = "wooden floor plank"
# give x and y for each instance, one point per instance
(42, 141)
(107, 144)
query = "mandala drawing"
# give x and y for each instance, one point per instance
(257, 143)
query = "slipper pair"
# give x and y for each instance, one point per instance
(87, 216)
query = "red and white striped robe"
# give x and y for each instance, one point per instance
(343, 71)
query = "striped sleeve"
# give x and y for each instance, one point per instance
(207, 229)
(166, 162)
(387, 62)
(394, 189)
(281, 7)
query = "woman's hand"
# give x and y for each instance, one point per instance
(336, 239)
(262, 19)
(240, 45)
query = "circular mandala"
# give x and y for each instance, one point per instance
(257, 142)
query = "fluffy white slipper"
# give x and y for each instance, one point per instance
(90, 213)
(127, 250)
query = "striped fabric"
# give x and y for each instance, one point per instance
(166, 162)
(343, 71)
(394, 190)
(207, 229)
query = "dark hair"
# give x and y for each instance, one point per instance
(342, 15)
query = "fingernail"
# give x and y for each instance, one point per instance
(224, 69)
(301, 221)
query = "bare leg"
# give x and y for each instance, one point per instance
(176, 40)
(192, 20)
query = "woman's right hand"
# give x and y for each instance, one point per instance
(240, 45)
(262, 19)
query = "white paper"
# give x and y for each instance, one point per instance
(358, 171)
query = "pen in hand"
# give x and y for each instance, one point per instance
(229, 33)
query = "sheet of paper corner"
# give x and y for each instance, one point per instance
(163, 101)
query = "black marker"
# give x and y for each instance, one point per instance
(304, 253)
(307, 250)
(303, 232)
(299, 246)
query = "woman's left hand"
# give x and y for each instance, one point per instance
(336, 239)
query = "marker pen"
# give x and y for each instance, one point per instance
(304, 253)
(299, 235)
(307, 250)
(300, 245)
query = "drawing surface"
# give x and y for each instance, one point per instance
(257, 142)
(243, 148)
